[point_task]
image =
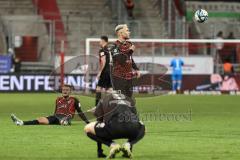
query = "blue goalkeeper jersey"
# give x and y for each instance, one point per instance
(176, 65)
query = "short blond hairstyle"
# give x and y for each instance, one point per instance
(119, 27)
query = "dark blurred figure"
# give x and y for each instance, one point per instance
(229, 50)
(16, 64)
(112, 5)
(129, 6)
(219, 47)
(231, 36)
(232, 48)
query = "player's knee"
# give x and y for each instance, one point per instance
(87, 128)
(109, 90)
(43, 120)
(98, 89)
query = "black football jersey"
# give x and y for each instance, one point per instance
(104, 52)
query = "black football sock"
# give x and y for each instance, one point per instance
(100, 153)
(99, 147)
(97, 139)
(98, 97)
(33, 122)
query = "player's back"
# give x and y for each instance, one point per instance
(115, 105)
(176, 65)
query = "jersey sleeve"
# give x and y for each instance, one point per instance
(79, 110)
(102, 53)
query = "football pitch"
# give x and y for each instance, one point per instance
(177, 127)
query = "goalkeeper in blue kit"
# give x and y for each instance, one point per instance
(176, 65)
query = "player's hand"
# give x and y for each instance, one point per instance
(132, 47)
(64, 122)
(138, 74)
(92, 110)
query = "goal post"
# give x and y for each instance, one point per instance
(201, 55)
(62, 63)
(183, 42)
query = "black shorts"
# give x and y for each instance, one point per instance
(53, 120)
(117, 130)
(105, 80)
(124, 85)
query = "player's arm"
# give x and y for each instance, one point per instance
(232, 69)
(92, 110)
(55, 105)
(79, 110)
(182, 62)
(134, 66)
(99, 111)
(102, 63)
(171, 63)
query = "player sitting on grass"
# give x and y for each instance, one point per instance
(64, 111)
(116, 119)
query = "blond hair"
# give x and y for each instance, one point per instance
(119, 27)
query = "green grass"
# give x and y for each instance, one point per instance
(213, 133)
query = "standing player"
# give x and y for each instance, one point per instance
(116, 118)
(124, 67)
(64, 111)
(103, 76)
(176, 65)
(104, 80)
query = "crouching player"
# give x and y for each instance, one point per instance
(116, 119)
(64, 111)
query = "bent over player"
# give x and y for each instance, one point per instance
(116, 119)
(64, 111)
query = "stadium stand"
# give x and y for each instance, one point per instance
(14, 7)
(19, 18)
(36, 67)
(224, 17)
(75, 20)
(81, 21)
(152, 25)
